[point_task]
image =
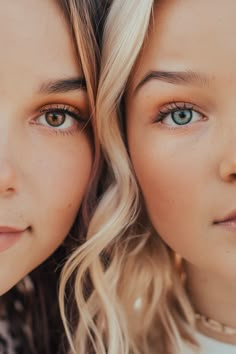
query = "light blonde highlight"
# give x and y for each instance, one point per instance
(123, 259)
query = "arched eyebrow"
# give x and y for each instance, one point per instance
(63, 86)
(174, 77)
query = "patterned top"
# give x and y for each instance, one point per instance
(8, 344)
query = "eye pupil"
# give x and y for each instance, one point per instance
(55, 119)
(181, 117)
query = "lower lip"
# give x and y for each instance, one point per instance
(8, 239)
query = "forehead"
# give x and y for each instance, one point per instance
(35, 41)
(190, 35)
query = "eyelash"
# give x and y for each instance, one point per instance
(174, 107)
(65, 109)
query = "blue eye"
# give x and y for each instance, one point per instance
(182, 117)
(176, 115)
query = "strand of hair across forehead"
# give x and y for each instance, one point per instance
(83, 28)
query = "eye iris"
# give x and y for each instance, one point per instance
(182, 116)
(55, 119)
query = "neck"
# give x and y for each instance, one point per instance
(214, 298)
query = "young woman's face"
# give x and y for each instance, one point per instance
(45, 155)
(181, 129)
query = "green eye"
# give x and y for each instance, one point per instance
(182, 117)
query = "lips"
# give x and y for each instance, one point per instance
(230, 218)
(9, 236)
(8, 229)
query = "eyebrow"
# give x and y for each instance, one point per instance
(174, 77)
(63, 86)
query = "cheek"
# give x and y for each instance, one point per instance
(61, 190)
(171, 181)
(55, 187)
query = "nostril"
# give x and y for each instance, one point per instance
(233, 177)
(227, 170)
(6, 192)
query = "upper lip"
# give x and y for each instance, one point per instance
(11, 229)
(229, 217)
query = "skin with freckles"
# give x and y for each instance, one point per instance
(45, 153)
(181, 133)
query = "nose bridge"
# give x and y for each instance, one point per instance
(8, 150)
(7, 138)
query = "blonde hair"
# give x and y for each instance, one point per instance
(127, 287)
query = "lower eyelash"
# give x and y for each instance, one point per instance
(60, 131)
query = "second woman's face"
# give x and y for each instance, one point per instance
(181, 129)
(45, 154)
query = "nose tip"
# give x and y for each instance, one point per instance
(7, 177)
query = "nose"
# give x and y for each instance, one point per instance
(9, 155)
(8, 151)
(7, 177)
(227, 168)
